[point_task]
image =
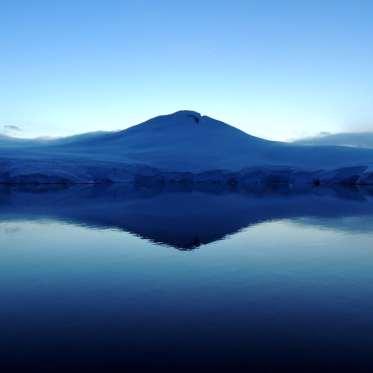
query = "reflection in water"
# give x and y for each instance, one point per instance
(186, 219)
(284, 296)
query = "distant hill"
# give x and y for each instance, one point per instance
(353, 139)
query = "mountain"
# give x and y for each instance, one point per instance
(182, 142)
(353, 139)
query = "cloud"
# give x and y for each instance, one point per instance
(12, 128)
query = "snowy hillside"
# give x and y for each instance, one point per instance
(170, 146)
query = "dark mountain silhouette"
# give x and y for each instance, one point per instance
(184, 218)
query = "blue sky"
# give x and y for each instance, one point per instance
(276, 69)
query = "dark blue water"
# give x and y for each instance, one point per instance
(110, 279)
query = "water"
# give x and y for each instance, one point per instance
(164, 280)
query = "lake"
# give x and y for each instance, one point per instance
(177, 279)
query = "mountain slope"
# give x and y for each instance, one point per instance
(183, 141)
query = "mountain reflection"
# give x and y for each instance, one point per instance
(187, 218)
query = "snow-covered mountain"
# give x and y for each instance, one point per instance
(183, 142)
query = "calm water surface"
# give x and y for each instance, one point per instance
(96, 278)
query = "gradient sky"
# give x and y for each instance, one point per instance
(276, 69)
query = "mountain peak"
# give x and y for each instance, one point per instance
(180, 119)
(186, 115)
